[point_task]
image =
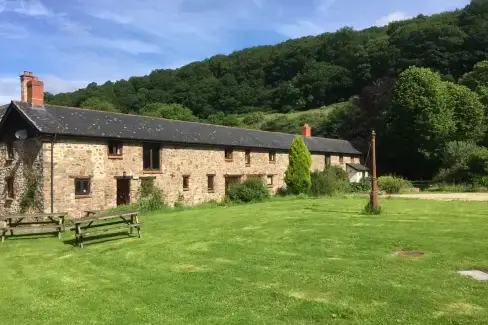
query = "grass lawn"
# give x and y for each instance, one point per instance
(282, 262)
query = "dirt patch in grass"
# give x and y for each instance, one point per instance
(462, 308)
(408, 253)
(189, 268)
(307, 296)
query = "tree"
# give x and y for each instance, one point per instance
(297, 175)
(469, 113)
(478, 77)
(419, 122)
(169, 111)
(98, 104)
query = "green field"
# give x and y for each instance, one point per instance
(312, 261)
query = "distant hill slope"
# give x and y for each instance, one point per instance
(303, 73)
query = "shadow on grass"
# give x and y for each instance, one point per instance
(31, 236)
(102, 238)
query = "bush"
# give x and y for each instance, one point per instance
(363, 186)
(251, 190)
(297, 175)
(151, 197)
(369, 210)
(392, 184)
(333, 180)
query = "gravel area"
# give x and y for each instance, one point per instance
(446, 196)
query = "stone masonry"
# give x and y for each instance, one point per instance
(80, 159)
(27, 162)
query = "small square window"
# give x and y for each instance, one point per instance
(115, 148)
(186, 183)
(10, 187)
(248, 157)
(272, 156)
(82, 186)
(269, 180)
(10, 151)
(341, 159)
(229, 154)
(211, 183)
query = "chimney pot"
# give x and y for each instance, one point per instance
(306, 130)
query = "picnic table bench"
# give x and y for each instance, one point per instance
(101, 221)
(37, 222)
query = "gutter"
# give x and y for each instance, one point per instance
(52, 173)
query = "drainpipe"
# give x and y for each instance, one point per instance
(52, 173)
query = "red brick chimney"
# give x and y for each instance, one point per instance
(306, 130)
(32, 89)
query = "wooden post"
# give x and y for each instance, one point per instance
(374, 202)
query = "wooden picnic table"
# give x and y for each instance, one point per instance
(36, 222)
(102, 221)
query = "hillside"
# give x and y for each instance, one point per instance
(303, 73)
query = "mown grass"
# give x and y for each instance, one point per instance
(311, 261)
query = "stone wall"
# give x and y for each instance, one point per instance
(27, 163)
(79, 159)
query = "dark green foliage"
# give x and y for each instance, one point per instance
(297, 175)
(333, 180)
(362, 187)
(98, 104)
(151, 197)
(28, 199)
(169, 111)
(371, 211)
(455, 162)
(251, 190)
(306, 72)
(393, 184)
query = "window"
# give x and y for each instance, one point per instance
(150, 157)
(10, 151)
(186, 183)
(341, 159)
(269, 180)
(272, 157)
(115, 148)
(248, 157)
(228, 154)
(327, 160)
(10, 187)
(82, 186)
(211, 183)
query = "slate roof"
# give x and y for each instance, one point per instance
(50, 119)
(358, 167)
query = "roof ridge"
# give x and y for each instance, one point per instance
(169, 120)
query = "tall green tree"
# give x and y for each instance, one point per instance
(469, 113)
(297, 175)
(419, 122)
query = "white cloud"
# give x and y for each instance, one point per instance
(394, 16)
(299, 29)
(33, 8)
(113, 17)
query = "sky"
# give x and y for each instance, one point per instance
(70, 43)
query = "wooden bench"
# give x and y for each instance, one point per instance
(32, 223)
(96, 222)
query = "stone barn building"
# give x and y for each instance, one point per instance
(76, 159)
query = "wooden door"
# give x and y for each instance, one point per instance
(123, 191)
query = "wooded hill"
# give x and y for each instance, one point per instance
(305, 73)
(358, 68)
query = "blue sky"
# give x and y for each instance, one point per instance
(69, 43)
